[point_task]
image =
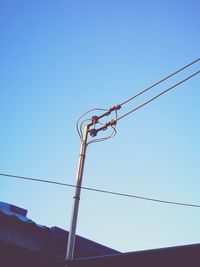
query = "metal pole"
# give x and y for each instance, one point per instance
(72, 232)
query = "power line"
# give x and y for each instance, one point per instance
(115, 108)
(162, 80)
(101, 191)
(153, 98)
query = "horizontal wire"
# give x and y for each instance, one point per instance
(153, 98)
(101, 191)
(164, 79)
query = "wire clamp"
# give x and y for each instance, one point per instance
(115, 108)
(95, 119)
(93, 132)
(110, 123)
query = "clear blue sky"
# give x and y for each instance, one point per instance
(62, 58)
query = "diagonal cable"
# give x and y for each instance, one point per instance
(155, 97)
(101, 191)
(157, 83)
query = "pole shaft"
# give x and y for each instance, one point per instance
(72, 232)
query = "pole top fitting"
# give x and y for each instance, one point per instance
(115, 108)
(112, 122)
(95, 119)
(93, 132)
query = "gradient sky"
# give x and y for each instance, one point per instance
(61, 58)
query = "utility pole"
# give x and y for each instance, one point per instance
(93, 132)
(72, 232)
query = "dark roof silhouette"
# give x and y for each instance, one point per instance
(180, 256)
(26, 244)
(23, 238)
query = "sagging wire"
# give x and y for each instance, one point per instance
(95, 120)
(114, 132)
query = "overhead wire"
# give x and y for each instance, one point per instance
(157, 83)
(155, 97)
(100, 190)
(143, 104)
